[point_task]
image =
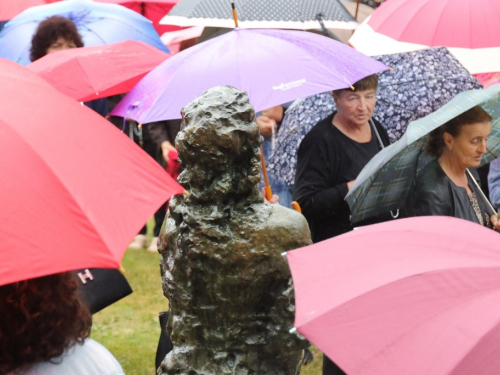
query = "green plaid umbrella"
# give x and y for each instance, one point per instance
(383, 184)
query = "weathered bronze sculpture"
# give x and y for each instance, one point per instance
(228, 286)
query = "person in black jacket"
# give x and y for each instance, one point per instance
(444, 187)
(330, 158)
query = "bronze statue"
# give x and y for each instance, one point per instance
(229, 287)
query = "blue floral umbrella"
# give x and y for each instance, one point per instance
(97, 23)
(420, 83)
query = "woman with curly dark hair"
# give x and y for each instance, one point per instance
(53, 34)
(59, 33)
(45, 327)
(445, 187)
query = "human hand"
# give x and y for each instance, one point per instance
(349, 184)
(273, 200)
(495, 222)
(265, 125)
(166, 147)
(274, 113)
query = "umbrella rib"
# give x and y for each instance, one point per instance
(367, 292)
(452, 371)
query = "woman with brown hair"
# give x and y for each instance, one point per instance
(45, 327)
(445, 186)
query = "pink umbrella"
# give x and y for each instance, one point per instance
(96, 72)
(412, 296)
(173, 39)
(470, 28)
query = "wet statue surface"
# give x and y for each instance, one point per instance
(229, 288)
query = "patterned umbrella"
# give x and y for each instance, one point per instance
(421, 82)
(384, 182)
(261, 14)
(97, 23)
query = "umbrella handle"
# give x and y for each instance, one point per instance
(269, 191)
(296, 206)
(482, 194)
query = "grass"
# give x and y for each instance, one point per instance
(130, 327)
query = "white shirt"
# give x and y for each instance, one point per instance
(90, 358)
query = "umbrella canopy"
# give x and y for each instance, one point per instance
(273, 66)
(97, 23)
(173, 39)
(12, 70)
(261, 14)
(468, 27)
(96, 72)
(450, 23)
(412, 296)
(383, 184)
(153, 10)
(420, 83)
(75, 189)
(11, 8)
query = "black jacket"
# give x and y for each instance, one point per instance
(324, 166)
(434, 194)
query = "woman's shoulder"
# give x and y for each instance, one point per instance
(89, 358)
(431, 174)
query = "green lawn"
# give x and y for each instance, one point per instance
(130, 327)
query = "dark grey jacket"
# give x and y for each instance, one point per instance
(434, 194)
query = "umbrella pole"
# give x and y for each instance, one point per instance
(235, 16)
(269, 191)
(357, 9)
(482, 194)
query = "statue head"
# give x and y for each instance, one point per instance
(219, 146)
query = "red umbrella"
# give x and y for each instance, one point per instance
(11, 8)
(74, 191)
(153, 10)
(410, 296)
(95, 72)
(10, 69)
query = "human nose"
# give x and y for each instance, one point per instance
(482, 147)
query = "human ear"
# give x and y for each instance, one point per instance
(448, 140)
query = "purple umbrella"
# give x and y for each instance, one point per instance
(273, 66)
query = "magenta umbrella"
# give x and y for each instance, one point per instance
(411, 296)
(273, 66)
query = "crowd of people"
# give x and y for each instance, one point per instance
(45, 327)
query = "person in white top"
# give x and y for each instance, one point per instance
(44, 330)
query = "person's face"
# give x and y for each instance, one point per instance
(60, 44)
(469, 145)
(356, 107)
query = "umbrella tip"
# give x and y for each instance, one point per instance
(352, 88)
(283, 254)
